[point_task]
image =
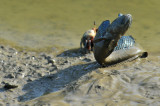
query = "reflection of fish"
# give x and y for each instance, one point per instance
(110, 46)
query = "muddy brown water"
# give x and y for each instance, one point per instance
(58, 25)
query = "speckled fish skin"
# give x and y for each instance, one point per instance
(104, 44)
(120, 25)
(125, 42)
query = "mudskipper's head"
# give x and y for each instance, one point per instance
(120, 25)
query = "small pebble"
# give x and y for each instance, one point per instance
(10, 86)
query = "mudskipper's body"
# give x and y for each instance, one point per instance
(107, 39)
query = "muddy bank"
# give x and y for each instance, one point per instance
(74, 78)
(133, 83)
(28, 75)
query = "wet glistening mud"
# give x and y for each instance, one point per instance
(74, 78)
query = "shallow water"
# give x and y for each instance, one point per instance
(60, 23)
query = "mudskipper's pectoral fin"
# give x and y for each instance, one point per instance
(102, 29)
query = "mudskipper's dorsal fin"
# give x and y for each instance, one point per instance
(102, 30)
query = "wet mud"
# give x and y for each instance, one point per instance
(75, 78)
(133, 83)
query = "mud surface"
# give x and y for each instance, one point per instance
(74, 78)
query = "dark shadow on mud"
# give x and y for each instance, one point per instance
(57, 81)
(77, 52)
(2, 89)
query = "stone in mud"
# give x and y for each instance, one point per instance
(10, 86)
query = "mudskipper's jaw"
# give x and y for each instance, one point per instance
(127, 20)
